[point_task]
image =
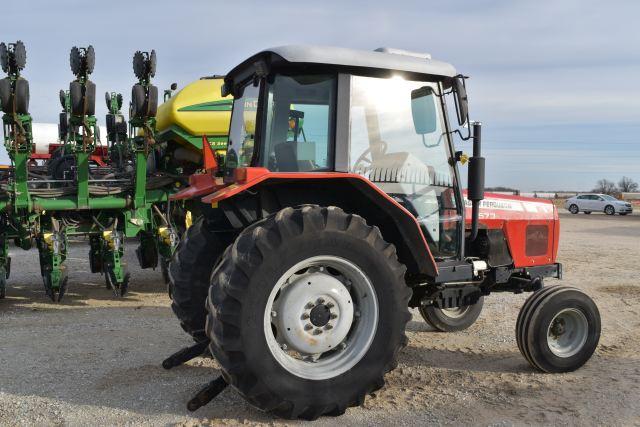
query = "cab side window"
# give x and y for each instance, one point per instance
(299, 123)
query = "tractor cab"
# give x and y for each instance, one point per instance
(381, 115)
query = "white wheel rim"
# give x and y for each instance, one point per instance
(567, 333)
(456, 312)
(321, 317)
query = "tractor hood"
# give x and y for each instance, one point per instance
(506, 207)
(530, 227)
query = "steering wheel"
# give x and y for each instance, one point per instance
(365, 160)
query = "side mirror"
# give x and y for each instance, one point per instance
(462, 102)
(423, 110)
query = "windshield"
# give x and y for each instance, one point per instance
(242, 129)
(399, 142)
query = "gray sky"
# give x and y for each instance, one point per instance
(554, 82)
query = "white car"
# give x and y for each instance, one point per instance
(588, 203)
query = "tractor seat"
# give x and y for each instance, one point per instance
(286, 156)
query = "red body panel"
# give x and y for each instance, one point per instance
(202, 183)
(199, 185)
(246, 178)
(513, 214)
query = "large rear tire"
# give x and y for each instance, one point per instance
(307, 312)
(189, 274)
(452, 320)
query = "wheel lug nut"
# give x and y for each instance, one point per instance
(305, 316)
(328, 326)
(308, 327)
(330, 305)
(317, 332)
(320, 301)
(334, 316)
(309, 305)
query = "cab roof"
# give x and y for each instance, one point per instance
(383, 59)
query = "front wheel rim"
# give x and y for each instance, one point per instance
(321, 317)
(567, 332)
(456, 312)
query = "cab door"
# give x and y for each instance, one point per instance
(398, 140)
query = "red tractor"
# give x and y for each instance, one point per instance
(339, 208)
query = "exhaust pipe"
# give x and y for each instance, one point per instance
(476, 179)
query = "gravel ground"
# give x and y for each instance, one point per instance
(95, 359)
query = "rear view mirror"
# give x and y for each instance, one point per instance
(462, 103)
(423, 110)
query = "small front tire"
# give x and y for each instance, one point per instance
(610, 210)
(558, 329)
(574, 209)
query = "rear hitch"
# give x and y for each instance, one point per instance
(207, 393)
(185, 354)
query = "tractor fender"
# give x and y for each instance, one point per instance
(257, 193)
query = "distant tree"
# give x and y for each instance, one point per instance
(627, 185)
(604, 186)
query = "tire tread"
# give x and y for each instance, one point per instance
(230, 283)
